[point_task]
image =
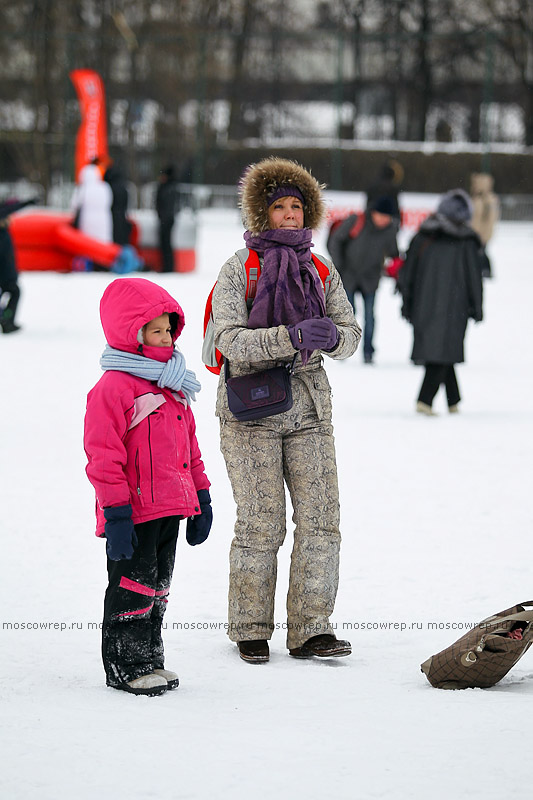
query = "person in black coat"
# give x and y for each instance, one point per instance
(119, 209)
(8, 268)
(441, 287)
(166, 203)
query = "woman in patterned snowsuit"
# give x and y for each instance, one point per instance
(281, 202)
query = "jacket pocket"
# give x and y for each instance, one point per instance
(320, 390)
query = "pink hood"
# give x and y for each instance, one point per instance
(129, 303)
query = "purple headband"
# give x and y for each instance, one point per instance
(285, 191)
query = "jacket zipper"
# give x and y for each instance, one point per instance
(151, 462)
(138, 472)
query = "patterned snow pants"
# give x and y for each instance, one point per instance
(135, 602)
(299, 450)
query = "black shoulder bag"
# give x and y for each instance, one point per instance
(260, 394)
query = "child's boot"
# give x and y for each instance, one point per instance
(150, 685)
(171, 678)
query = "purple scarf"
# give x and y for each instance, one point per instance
(289, 288)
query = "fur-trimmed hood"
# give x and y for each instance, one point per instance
(262, 179)
(439, 223)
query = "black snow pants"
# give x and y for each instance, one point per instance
(165, 244)
(135, 602)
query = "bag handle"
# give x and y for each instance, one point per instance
(520, 616)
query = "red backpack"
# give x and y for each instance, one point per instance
(213, 358)
(353, 233)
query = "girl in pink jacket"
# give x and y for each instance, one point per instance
(146, 467)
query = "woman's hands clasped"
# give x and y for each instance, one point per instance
(318, 333)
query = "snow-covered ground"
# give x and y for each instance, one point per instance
(436, 535)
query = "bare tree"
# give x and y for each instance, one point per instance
(509, 26)
(183, 78)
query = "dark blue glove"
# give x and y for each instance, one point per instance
(198, 527)
(119, 532)
(318, 333)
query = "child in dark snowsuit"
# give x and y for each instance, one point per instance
(145, 465)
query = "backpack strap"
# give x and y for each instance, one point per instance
(357, 226)
(211, 356)
(252, 269)
(322, 266)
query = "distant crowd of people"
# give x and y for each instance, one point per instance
(439, 278)
(100, 205)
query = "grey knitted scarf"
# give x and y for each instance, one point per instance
(172, 375)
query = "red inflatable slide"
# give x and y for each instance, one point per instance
(46, 240)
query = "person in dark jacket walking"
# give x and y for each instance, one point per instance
(119, 209)
(358, 248)
(8, 268)
(441, 287)
(167, 205)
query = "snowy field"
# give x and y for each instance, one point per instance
(436, 535)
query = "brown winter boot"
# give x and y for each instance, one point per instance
(325, 645)
(255, 651)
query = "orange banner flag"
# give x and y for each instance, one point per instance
(91, 139)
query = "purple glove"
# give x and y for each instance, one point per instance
(318, 333)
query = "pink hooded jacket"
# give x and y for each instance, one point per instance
(139, 439)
